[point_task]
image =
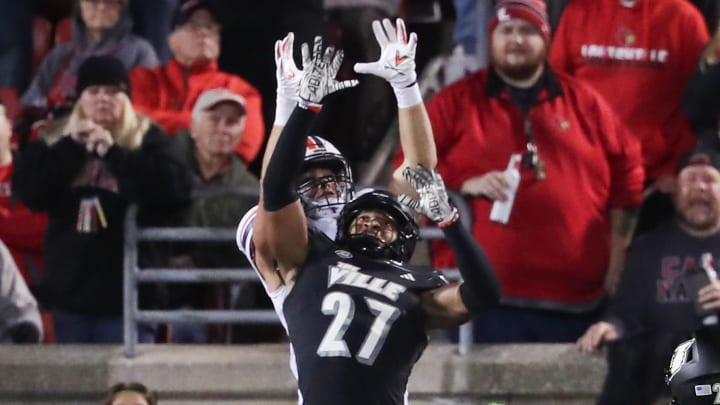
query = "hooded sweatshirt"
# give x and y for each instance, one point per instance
(54, 83)
(639, 56)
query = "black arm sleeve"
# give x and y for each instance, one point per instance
(480, 289)
(279, 184)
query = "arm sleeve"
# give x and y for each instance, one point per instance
(480, 289)
(279, 187)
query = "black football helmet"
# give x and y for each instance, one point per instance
(694, 372)
(401, 249)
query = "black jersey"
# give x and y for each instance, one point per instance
(356, 325)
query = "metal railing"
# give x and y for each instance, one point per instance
(133, 275)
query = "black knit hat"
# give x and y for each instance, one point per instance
(699, 156)
(102, 70)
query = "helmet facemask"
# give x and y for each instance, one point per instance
(400, 248)
(325, 186)
(324, 196)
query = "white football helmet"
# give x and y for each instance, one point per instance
(323, 195)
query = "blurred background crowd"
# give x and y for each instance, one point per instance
(108, 103)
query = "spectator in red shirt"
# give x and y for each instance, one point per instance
(639, 55)
(21, 229)
(167, 93)
(579, 180)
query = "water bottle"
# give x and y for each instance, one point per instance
(501, 209)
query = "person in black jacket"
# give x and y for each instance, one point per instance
(104, 158)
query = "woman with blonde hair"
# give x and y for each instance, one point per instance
(105, 157)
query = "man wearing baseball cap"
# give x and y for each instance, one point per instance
(656, 306)
(168, 93)
(217, 127)
(580, 180)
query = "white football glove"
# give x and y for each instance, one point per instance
(288, 76)
(434, 202)
(397, 54)
(318, 76)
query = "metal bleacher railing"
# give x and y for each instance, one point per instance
(134, 275)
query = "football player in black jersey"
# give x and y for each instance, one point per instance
(356, 314)
(327, 183)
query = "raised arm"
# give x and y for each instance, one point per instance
(397, 66)
(455, 303)
(281, 220)
(287, 96)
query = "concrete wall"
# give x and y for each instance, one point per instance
(552, 374)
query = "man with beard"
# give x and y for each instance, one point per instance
(579, 179)
(655, 306)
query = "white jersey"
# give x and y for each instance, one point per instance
(243, 238)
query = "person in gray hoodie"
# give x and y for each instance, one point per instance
(100, 27)
(19, 315)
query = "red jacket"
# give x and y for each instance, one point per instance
(640, 59)
(556, 245)
(21, 229)
(168, 93)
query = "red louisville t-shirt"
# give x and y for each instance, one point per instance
(639, 59)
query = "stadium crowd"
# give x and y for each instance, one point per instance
(592, 123)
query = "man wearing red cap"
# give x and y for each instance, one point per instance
(577, 174)
(639, 55)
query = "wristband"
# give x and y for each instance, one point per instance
(309, 105)
(408, 96)
(283, 108)
(453, 218)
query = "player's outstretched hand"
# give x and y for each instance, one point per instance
(318, 76)
(433, 200)
(286, 72)
(397, 54)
